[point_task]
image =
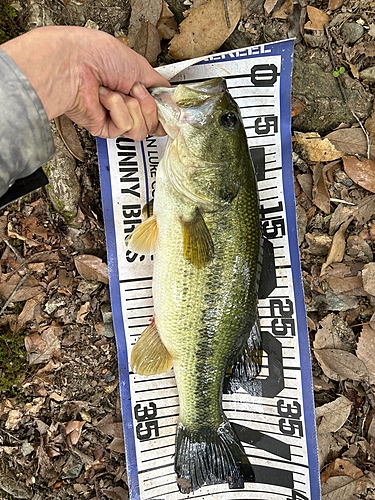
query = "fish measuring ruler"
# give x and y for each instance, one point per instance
(275, 423)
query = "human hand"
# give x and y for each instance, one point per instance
(92, 77)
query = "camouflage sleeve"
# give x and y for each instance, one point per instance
(25, 134)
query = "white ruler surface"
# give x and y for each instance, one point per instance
(275, 421)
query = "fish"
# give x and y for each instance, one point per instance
(205, 236)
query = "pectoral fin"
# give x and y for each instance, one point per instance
(149, 355)
(143, 240)
(198, 244)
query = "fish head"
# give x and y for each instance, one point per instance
(208, 156)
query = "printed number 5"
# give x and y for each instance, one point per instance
(144, 429)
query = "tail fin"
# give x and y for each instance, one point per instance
(210, 456)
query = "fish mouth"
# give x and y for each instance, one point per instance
(181, 104)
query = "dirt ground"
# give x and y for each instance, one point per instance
(60, 417)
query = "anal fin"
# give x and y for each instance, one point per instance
(246, 367)
(149, 355)
(198, 244)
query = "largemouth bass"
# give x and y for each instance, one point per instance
(205, 235)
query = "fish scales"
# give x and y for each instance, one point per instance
(206, 239)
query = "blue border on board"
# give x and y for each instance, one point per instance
(299, 298)
(118, 322)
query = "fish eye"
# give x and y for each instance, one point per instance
(229, 120)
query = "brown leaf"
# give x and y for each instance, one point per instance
(117, 445)
(335, 4)
(143, 11)
(91, 267)
(52, 344)
(368, 277)
(344, 487)
(333, 333)
(332, 416)
(116, 493)
(337, 250)
(268, 6)
(283, 13)
(320, 192)
(83, 312)
(108, 426)
(354, 71)
(351, 141)
(73, 431)
(205, 29)
(34, 343)
(370, 123)
(147, 43)
(341, 467)
(366, 349)
(317, 149)
(341, 285)
(341, 363)
(317, 17)
(297, 105)
(362, 172)
(30, 310)
(29, 289)
(69, 137)
(167, 24)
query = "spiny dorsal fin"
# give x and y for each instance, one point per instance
(149, 355)
(143, 240)
(198, 244)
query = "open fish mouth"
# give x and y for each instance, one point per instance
(187, 103)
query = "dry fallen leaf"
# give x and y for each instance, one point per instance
(351, 141)
(297, 106)
(321, 196)
(51, 345)
(205, 29)
(91, 267)
(340, 467)
(69, 136)
(167, 25)
(344, 487)
(337, 250)
(284, 12)
(83, 312)
(108, 426)
(147, 43)
(143, 11)
(335, 4)
(30, 310)
(268, 6)
(368, 277)
(370, 123)
(317, 149)
(338, 365)
(332, 416)
(318, 19)
(366, 348)
(333, 333)
(362, 172)
(73, 431)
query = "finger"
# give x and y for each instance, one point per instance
(120, 120)
(148, 107)
(138, 132)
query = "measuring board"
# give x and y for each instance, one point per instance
(275, 421)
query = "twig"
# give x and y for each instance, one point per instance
(20, 283)
(226, 13)
(342, 90)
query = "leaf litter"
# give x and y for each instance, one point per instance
(61, 426)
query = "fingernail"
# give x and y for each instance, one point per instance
(103, 90)
(138, 90)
